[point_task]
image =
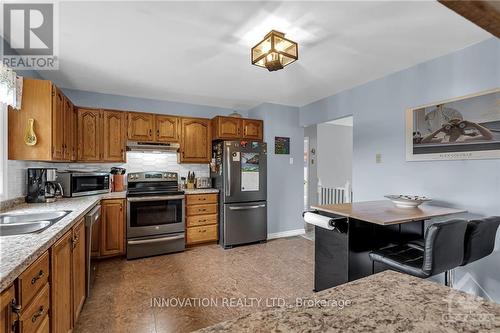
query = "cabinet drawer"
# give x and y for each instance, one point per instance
(198, 199)
(33, 316)
(201, 234)
(201, 209)
(198, 220)
(33, 279)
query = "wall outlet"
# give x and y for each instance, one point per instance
(378, 158)
(291, 160)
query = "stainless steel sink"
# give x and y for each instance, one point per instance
(34, 217)
(17, 224)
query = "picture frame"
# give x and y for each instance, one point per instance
(462, 128)
(281, 145)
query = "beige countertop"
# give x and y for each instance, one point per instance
(201, 191)
(384, 212)
(384, 302)
(17, 252)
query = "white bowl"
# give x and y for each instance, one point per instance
(407, 201)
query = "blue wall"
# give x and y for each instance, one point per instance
(284, 180)
(108, 101)
(379, 108)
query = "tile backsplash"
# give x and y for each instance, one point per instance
(136, 162)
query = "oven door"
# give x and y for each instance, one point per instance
(154, 215)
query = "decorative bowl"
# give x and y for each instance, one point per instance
(407, 201)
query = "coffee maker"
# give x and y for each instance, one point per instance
(42, 185)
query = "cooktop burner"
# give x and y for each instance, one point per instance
(153, 183)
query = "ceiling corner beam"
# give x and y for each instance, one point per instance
(484, 13)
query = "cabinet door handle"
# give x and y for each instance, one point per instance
(37, 314)
(37, 277)
(158, 133)
(150, 132)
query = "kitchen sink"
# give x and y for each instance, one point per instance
(17, 224)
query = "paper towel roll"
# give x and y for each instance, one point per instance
(319, 220)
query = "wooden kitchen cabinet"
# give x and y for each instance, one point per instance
(6, 298)
(114, 135)
(226, 128)
(112, 227)
(167, 128)
(69, 145)
(78, 266)
(61, 283)
(231, 128)
(140, 126)
(201, 218)
(45, 104)
(253, 129)
(58, 125)
(89, 135)
(195, 140)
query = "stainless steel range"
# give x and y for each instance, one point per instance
(155, 214)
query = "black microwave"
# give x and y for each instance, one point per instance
(77, 184)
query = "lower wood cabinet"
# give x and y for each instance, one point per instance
(78, 266)
(61, 266)
(112, 230)
(36, 313)
(6, 298)
(201, 218)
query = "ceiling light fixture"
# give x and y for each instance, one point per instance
(275, 51)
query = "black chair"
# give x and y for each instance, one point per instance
(442, 250)
(480, 238)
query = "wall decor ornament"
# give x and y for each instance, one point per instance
(462, 128)
(281, 145)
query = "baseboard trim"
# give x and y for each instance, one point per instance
(288, 233)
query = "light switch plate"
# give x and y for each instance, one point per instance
(291, 160)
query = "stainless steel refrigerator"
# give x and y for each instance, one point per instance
(240, 174)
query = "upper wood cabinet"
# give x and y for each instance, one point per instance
(195, 140)
(101, 135)
(232, 128)
(226, 128)
(253, 129)
(47, 106)
(58, 125)
(70, 131)
(89, 135)
(114, 135)
(167, 128)
(140, 126)
(61, 284)
(112, 227)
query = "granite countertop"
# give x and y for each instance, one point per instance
(19, 251)
(201, 191)
(384, 302)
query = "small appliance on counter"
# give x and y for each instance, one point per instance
(77, 183)
(42, 185)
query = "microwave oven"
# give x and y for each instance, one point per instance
(77, 184)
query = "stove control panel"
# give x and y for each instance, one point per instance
(152, 176)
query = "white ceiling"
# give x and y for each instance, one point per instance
(199, 52)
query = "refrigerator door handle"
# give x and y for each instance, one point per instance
(228, 183)
(247, 207)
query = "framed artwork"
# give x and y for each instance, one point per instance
(462, 128)
(281, 145)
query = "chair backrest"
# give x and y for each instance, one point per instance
(480, 238)
(444, 246)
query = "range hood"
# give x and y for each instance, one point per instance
(151, 147)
